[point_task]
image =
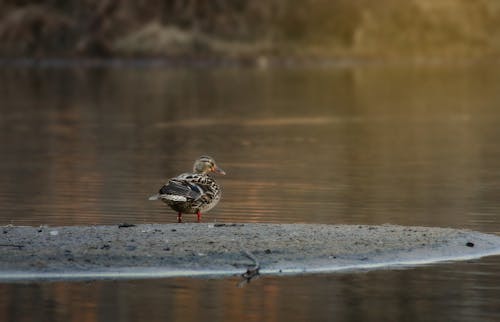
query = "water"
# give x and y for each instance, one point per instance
(339, 145)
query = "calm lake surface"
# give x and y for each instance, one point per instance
(338, 145)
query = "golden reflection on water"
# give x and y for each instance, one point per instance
(360, 145)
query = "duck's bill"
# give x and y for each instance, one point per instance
(218, 170)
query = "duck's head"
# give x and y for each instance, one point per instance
(206, 164)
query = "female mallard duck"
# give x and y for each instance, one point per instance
(192, 193)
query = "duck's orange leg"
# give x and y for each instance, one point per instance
(198, 216)
(179, 217)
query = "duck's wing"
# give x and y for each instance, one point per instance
(180, 190)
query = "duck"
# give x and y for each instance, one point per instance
(193, 192)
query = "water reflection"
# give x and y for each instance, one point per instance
(371, 145)
(399, 295)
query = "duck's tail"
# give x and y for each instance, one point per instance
(155, 197)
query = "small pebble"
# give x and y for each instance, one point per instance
(469, 244)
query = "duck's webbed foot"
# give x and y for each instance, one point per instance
(198, 216)
(179, 217)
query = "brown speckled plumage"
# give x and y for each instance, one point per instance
(194, 192)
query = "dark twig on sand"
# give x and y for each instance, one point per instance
(229, 225)
(12, 245)
(252, 272)
(125, 225)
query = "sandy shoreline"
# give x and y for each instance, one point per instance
(163, 250)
